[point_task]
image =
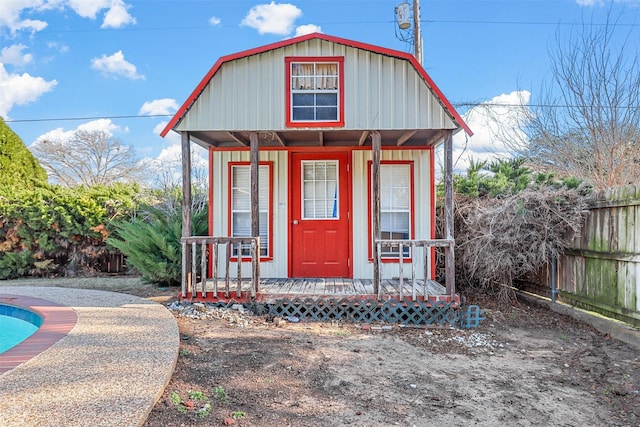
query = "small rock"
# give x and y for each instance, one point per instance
(229, 421)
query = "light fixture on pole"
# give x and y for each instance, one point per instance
(404, 13)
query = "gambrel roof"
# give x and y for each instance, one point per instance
(384, 90)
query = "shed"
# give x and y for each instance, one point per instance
(321, 174)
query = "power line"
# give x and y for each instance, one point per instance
(62, 119)
(425, 21)
(455, 104)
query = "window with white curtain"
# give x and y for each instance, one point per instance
(315, 89)
(395, 206)
(240, 194)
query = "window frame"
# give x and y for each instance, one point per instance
(337, 201)
(412, 210)
(269, 165)
(289, 60)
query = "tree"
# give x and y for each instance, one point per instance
(89, 157)
(587, 124)
(18, 167)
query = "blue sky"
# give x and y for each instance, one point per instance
(101, 60)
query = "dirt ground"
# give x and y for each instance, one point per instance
(524, 365)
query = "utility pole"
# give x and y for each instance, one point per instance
(406, 34)
(417, 35)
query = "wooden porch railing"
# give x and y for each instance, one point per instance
(412, 244)
(209, 250)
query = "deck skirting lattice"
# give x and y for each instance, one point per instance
(353, 310)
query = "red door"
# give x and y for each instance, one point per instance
(319, 215)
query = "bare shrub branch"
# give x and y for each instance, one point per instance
(499, 240)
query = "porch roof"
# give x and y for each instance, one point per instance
(317, 138)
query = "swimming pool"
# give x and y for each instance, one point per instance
(16, 325)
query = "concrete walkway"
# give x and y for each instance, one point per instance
(108, 371)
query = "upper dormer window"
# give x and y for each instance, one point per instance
(314, 90)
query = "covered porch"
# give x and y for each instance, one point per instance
(219, 276)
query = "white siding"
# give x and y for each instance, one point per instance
(276, 268)
(381, 92)
(362, 267)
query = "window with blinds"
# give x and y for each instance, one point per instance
(395, 206)
(396, 194)
(240, 194)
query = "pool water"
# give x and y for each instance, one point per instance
(16, 325)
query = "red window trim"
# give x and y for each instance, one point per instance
(370, 207)
(287, 96)
(270, 216)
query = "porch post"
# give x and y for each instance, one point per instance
(255, 204)
(375, 203)
(186, 211)
(449, 256)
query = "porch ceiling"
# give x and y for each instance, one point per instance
(318, 138)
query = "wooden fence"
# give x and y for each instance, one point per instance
(601, 271)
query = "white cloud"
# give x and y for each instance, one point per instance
(496, 127)
(59, 134)
(214, 21)
(14, 55)
(301, 30)
(168, 163)
(60, 47)
(88, 8)
(272, 18)
(159, 106)
(20, 89)
(11, 11)
(115, 65)
(160, 127)
(105, 125)
(118, 16)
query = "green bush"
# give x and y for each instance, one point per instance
(15, 264)
(152, 245)
(62, 228)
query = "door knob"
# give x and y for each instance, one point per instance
(295, 222)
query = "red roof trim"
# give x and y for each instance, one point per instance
(365, 46)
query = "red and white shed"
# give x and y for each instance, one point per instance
(321, 150)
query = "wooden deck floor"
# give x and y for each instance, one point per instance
(271, 289)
